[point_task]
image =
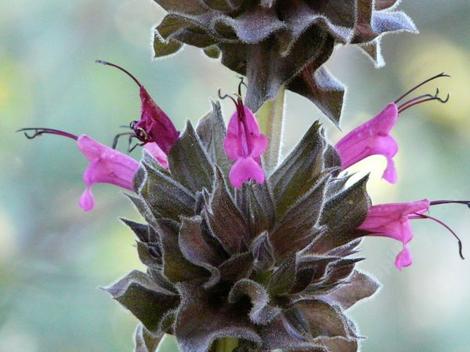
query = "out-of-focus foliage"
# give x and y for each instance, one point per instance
(53, 257)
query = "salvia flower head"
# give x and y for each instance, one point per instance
(374, 136)
(271, 263)
(244, 144)
(154, 125)
(392, 220)
(105, 164)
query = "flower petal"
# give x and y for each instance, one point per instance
(393, 221)
(372, 138)
(245, 169)
(259, 145)
(403, 259)
(106, 165)
(390, 172)
(231, 147)
(158, 154)
(156, 123)
(90, 148)
(87, 200)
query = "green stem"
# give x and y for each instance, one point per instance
(227, 344)
(271, 120)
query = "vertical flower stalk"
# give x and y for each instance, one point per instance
(271, 121)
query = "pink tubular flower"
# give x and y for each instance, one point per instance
(154, 125)
(106, 165)
(372, 138)
(245, 144)
(392, 220)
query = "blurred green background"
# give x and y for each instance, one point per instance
(53, 256)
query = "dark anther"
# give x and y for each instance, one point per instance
(423, 216)
(242, 83)
(131, 149)
(440, 75)
(423, 99)
(119, 135)
(440, 202)
(38, 131)
(225, 96)
(443, 101)
(120, 69)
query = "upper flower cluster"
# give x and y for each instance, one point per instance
(281, 42)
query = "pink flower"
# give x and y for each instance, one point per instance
(158, 154)
(154, 125)
(372, 138)
(245, 144)
(393, 221)
(106, 165)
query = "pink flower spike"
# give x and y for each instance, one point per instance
(372, 138)
(106, 165)
(392, 221)
(157, 154)
(245, 144)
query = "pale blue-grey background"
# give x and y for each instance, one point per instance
(53, 257)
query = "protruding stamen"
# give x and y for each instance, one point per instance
(442, 201)
(38, 131)
(423, 99)
(420, 97)
(225, 96)
(242, 83)
(423, 216)
(120, 69)
(119, 135)
(440, 75)
(131, 149)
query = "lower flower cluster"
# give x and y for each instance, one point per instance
(271, 264)
(233, 251)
